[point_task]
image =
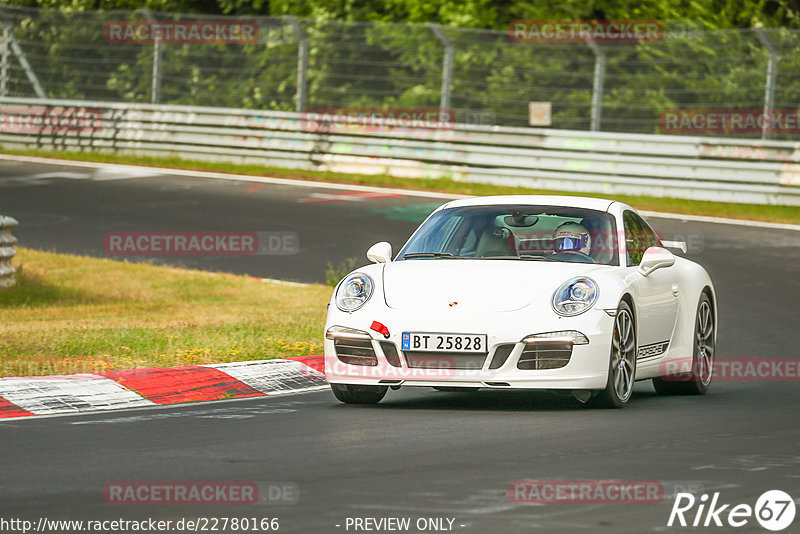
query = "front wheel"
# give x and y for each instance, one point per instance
(355, 394)
(622, 365)
(696, 381)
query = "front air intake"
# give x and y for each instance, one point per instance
(501, 354)
(390, 352)
(355, 351)
(545, 354)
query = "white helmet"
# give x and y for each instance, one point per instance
(572, 237)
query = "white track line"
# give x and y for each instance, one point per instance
(721, 220)
(347, 187)
(228, 176)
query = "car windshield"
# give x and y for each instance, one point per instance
(516, 232)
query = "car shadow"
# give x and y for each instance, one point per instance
(484, 400)
(498, 400)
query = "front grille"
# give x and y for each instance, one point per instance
(444, 360)
(545, 355)
(355, 351)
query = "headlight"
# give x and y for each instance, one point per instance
(575, 296)
(354, 291)
(577, 338)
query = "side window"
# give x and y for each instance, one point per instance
(638, 237)
(632, 247)
(652, 238)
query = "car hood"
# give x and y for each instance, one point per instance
(475, 285)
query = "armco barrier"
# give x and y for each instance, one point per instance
(721, 169)
(7, 251)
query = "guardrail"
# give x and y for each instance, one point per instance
(7, 251)
(720, 169)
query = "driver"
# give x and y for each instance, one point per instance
(572, 237)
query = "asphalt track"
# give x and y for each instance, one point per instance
(420, 453)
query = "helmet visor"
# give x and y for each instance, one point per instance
(570, 242)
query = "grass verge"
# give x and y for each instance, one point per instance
(72, 314)
(758, 212)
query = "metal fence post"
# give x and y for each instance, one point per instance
(597, 85)
(447, 66)
(4, 57)
(769, 89)
(155, 86)
(12, 42)
(7, 251)
(302, 64)
(155, 90)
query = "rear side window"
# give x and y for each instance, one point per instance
(638, 237)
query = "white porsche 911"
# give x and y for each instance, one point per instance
(532, 292)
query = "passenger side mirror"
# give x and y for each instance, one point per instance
(655, 258)
(680, 245)
(380, 252)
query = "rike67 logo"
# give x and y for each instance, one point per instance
(774, 510)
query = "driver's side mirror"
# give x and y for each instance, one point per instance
(655, 258)
(380, 252)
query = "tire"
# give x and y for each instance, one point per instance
(355, 394)
(698, 380)
(622, 362)
(454, 389)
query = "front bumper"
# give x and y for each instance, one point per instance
(587, 367)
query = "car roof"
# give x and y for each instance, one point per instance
(598, 204)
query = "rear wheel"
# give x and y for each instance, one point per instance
(355, 394)
(622, 365)
(697, 381)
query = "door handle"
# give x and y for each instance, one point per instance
(675, 289)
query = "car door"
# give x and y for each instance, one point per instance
(656, 295)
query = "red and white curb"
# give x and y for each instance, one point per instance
(135, 388)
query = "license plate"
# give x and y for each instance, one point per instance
(442, 342)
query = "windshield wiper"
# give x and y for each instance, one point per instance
(413, 255)
(537, 257)
(522, 257)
